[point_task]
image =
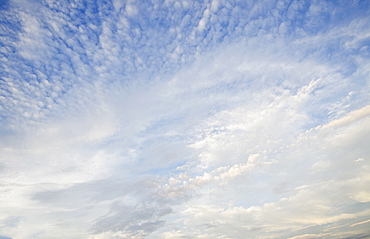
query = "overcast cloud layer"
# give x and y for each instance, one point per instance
(184, 119)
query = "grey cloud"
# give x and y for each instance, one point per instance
(85, 193)
(12, 221)
(4, 237)
(98, 191)
(140, 219)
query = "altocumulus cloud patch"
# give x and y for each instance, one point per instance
(184, 119)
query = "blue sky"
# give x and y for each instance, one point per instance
(184, 119)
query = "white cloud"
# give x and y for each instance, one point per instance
(308, 205)
(169, 120)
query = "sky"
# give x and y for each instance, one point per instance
(166, 119)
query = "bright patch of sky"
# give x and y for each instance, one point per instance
(184, 119)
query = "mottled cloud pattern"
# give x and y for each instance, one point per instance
(184, 119)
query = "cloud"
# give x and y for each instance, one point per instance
(163, 119)
(313, 204)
